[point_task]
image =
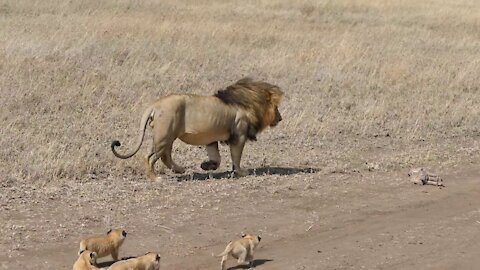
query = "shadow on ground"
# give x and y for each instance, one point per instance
(255, 263)
(108, 263)
(255, 172)
(105, 264)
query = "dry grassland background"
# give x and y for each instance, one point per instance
(369, 85)
(75, 75)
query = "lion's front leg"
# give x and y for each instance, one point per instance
(214, 159)
(236, 147)
(236, 151)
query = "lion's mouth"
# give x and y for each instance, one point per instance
(275, 123)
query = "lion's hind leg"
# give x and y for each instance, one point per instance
(150, 161)
(163, 137)
(168, 161)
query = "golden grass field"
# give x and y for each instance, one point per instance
(371, 87)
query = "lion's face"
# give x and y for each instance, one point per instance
(117, 234)
(272, 117)
(93, 258)
(89, 256)
(277, 118)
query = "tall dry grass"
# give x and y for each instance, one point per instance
(76, 74)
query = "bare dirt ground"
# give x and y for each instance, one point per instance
(308, 219)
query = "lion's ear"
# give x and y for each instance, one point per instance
(275, 95)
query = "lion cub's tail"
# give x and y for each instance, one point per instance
(146, 118)
(226, 251)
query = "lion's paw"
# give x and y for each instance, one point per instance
(240, 173)
(209, 165)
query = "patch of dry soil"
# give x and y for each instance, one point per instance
(308, 219)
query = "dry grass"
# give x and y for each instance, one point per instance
(76, 74)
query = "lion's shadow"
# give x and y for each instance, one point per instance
(255, 263)
(257, 172)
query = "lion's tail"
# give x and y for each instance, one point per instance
(146, 118)
(82, 247)
(226, 251)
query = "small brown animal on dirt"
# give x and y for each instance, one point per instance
(87, 260)
(233, 115)
(422, 176)
(241, 249)
(149, 261)
(105, 245)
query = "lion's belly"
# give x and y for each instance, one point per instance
(204, 138)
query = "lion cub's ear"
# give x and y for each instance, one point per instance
(243, 235)
(109, 231)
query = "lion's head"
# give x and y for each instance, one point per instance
(259, 99)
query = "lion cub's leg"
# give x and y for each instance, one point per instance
(250, 260)
(224, 260)
(250, 257)
(213, 158)
(243, 256)
(115, 255)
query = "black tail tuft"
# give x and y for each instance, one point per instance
(115, 143)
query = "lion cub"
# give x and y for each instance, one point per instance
(149, 261)
(241, 249)
(422, 176)
(106, 244)
(86, 261)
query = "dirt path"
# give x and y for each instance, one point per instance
(307, 221)
(427, 228)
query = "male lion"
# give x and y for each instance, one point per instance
(233, 115)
